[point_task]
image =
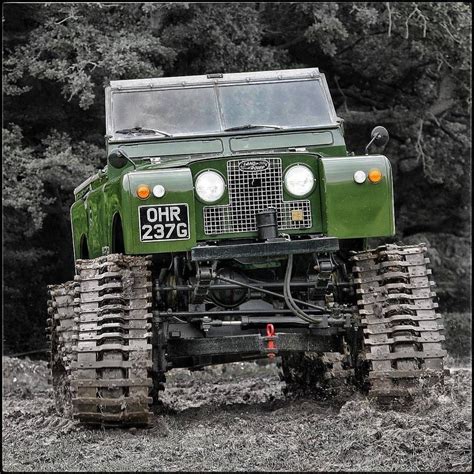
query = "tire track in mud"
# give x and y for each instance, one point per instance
(235, 417)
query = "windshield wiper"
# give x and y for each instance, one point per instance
(251, 126)
(145, 131)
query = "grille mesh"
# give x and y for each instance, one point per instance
(251, 192)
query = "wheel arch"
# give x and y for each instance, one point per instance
(117, 242)
(79, 227)
(84, 247)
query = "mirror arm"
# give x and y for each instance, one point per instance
(370, 143)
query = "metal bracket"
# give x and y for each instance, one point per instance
(204, 277)
(206, 323)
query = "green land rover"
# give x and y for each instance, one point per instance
(231, 223)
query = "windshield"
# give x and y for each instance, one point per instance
(287, 104)
(217, 108)
(174, 111)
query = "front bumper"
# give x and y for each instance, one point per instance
(275, 248)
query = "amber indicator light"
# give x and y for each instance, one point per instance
(375, 176)
(143, 191)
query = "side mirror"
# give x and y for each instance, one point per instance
(379, 137)
(118, 158)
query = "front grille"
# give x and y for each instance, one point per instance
(252, 189)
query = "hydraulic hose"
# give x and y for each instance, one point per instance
(290, 302)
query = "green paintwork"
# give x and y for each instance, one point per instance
(179, 151)
(282, 140)
(340, 207)
(113, 191)
(179, 190)
(169, 148)
(352, 210)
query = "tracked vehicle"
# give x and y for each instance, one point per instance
(231, 223)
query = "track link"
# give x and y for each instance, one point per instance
(62, 334)
(403, 340)
(110, 359)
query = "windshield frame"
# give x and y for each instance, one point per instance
(195, 82)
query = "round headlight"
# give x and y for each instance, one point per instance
(210, 186)
(299, 180)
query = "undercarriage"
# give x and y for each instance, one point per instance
(332, 314)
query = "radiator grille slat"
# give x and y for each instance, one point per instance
(251, 192)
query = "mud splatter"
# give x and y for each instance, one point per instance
(235, 418)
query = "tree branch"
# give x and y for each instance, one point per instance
(386, 116)
(442, 104)
(419, 15)
(360, 98)
(389, 33)
(445, 98)
(342, 93)
(291, 42)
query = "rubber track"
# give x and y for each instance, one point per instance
(111, 356)
(403, 333)
(62, 334)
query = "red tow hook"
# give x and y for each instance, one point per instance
(271, 345)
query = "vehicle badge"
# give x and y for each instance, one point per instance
(252, 166)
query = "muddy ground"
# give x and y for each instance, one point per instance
(235, 418)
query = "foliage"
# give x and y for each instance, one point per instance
(405, 65)
(81, 46)
(23, 191)
(458, 334)
(37, 190)
(211, 38)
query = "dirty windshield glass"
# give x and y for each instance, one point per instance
(195, 110)
(287, 104)
(174, 111)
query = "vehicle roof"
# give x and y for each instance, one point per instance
(305, 73)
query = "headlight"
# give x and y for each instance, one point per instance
(299, 180)
(210, 186)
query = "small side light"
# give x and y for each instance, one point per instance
(375, 176)
(360, 177)
(143, 191)
(158, 191)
